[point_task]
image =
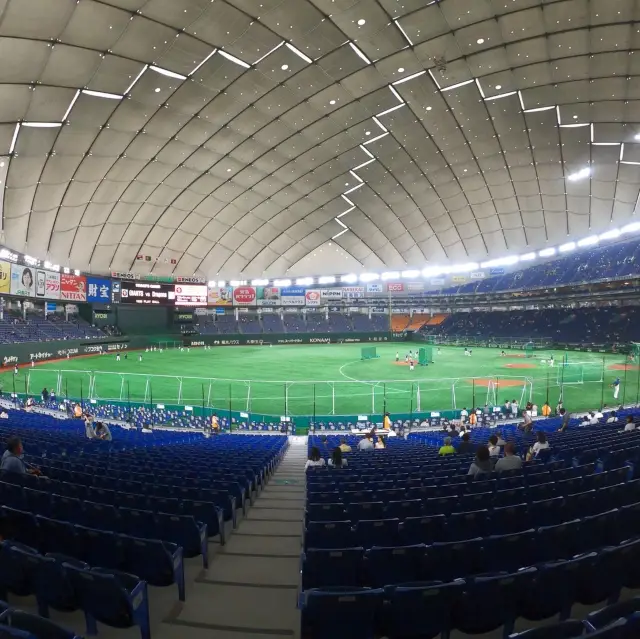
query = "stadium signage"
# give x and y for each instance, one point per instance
(477, 275)
(496, 271)
(331, 293)
(40, 355)
(147, 293)
(9, 360)
(352, 292)
(396, 287)
(190, 280)
(320, 340)
(415, 287)
(69, 351)
(374, 288)
(244, 295)
(293, 296)
(73, 288)
(97, 315)
(98, 290)
(197, 343)
(313, 297)
(190, 295)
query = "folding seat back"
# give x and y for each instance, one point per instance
(12, 495)
(325, 512)
(58, 536)
(37, 501)
(24, 526)
(184, 531)
(329, 534)
(365, 510)
(439, 505)
(66, 509)
(208, 513)
(602, 578)
(403, 509)
(599, 530)
(376, 532)
(561, 541)
(101, 547)
(422, 530)
(16, 572)
(474, 501)
(329, 568)
(510, 496)
(580, 504)
(394, 565)
(324, 497)
(563, 630)
(138, 523)
(547, 512)
(357, 496)
(508, 519)
(465, 525)
(52, 584)
(510, 552)
(100, 516)
(341, 613)
(629, 520)
(451, 560)
(611, 613)
(36, 626)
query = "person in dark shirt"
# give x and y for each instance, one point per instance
(465, 447)
(565, 420)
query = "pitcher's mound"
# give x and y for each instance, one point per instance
(501, 383)
(520, 365)
(621, 367)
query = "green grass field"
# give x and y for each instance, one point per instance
(283, 380)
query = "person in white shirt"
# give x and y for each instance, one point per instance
(598, 414)
(337, 460)
(514, 409)
(314, 459)
(541, 444)
(464, 413)
(630, 425)
(593, 420)
(494, 449)
(365, 443)
(613, 417)
(4, 415)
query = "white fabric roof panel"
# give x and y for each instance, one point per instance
(238, 137)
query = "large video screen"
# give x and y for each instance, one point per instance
(191, 295)
(147, 293)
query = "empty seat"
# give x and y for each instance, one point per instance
(329, 534)
(376, 532)
(398, 564)
(326, 512)
(37, 627)
(328, 568)
(422, 530)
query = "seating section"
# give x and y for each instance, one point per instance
(106, 519)
(38, 328)
(402, 543)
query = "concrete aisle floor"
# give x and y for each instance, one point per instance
(251, 586)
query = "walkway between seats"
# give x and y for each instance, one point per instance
(250, 589)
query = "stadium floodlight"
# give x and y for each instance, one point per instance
(211, 284)
(410, 274)
(235, 283)
(527, 257)
(431, 271)
(221, 283)
(501, 261)
(579, 175)
(66, 270)
(464, 268)
(390, 275)
(565, 248)
(76, 272)
(349, 279)
(589, 241)
(259, 282)
(327, 279)
(631, 228)
(304, 281)
(282, 282)
(610, 235)
(369, 277)
(548, 252)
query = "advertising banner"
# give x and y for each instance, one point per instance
(331, 293)
(220, 296)
(5, 277)
(496, 271)
(437, 281)
(313, 297)
(73, 288)
(244, 296)
(395, 287)
(190, 294)
(374, 288)
(22, 280)
(478, 275)
(116, 290)
(293, 296)
(415, 287)
(268, 296)
(459, 279)
(352, 292)
(98, 290)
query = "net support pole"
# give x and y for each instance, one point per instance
(624, 388)
(637, 385)
(129, 401)
(151, 402)
(602, 386)
(411, 406)
(15, 395)
(473, 393)
(333, 398)
(81, 397)
(229, 407)
(418, 406)
(373, 398)
(314, 404)
(547, 396)
(286, 399)
(203, 404)
(384, 403)
(179, 389)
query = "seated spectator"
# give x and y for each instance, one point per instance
(103, 432)
(494, 449)
(465, 446)
(630, 425)
(4, 415)
(380, 445)
(501, 440)
(541, 444)
(613, 417)
(314, 459)
(344, 447)
(482, 462)
(598, 414)
(12, 461)
(365, 443)
(510, 461)
(593, 420)
(447, 449)
(337, 460)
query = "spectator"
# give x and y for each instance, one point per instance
(593, 420)
(464, 413)
(630, 425)
(103, 432)
(380, 445)
(344, 447)
(598, 414)
(337, 461)
(510, 461)
(514, 408)
(465, 446)
(365, 443)
(4, 415)
(541, 444)
(482, 462)
(566, 418)
(447, 449)
(546, 410)
(613, 417)
(45, 394)
(89, 431)
(314, 459)
(501, 440)
(527, 422)
(12, 461)
(494, 449)
(325, 442)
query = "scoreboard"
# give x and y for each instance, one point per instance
(190, 295)
(147, 293)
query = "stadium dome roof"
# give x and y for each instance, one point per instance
(264, 137)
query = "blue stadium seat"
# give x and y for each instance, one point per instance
(329, 534)
(208, 513)
(491, 601)
(509, 519)
(394, 565)
(599, 530)
(38, 627)
(365, 510)
(451, 560)
(115, 599)
(563, 630)
(25, 526)
(629, 520)
(7, 632)
(16, 573)
(422, 530)
(100, 516)
(607, 615)
(101, 547)
(511, 551)
(546, 512)
(341, 613)
(138, 523)
(403, 509)
(185, 531)
(52, 584)
(328, 568)
(326, 512)
(467, 525)
(58, 536)
(560, 541)
(376, 532)
(421, 610)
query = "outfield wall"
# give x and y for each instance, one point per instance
(262, 339)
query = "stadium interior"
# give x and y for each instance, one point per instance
(319, 319)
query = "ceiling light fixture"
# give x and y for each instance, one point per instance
(233, 59)
(284, 67)
(498, 87)
(362, 21)
(548, 252)
(480, 40)
(359, 53)
(198, 66)
(102, 94)
(299, 53)
(169, 74)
